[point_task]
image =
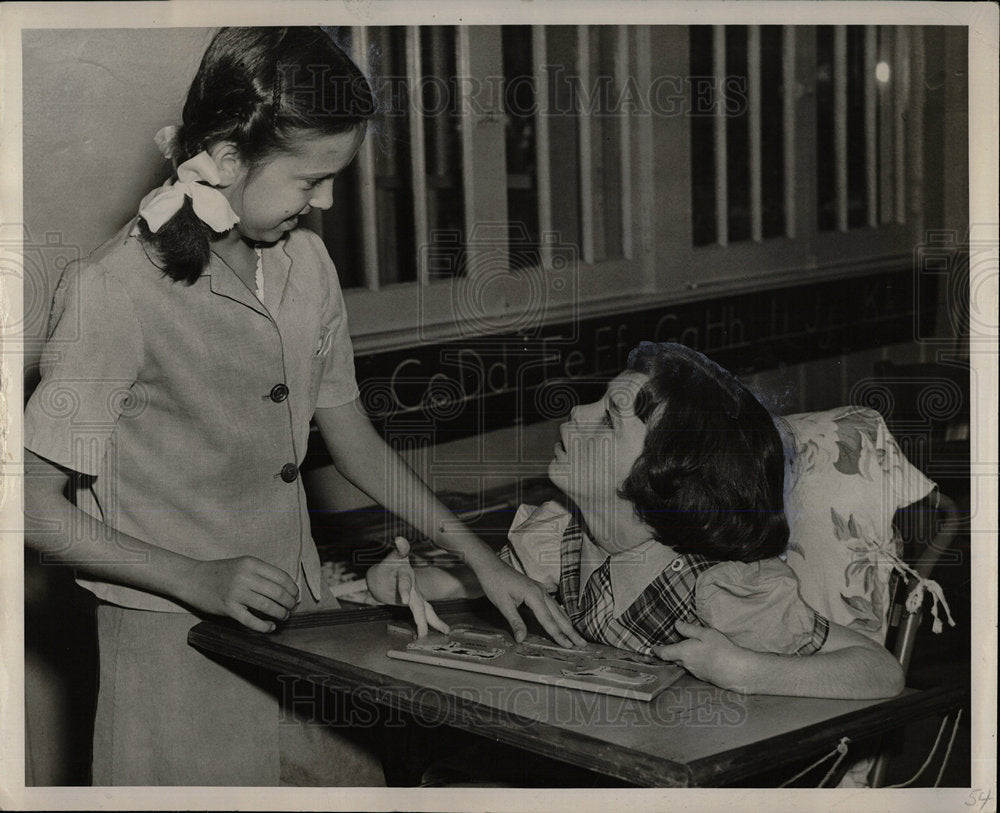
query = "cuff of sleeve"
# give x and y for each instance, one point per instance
(507, 556)
(337, 397)
(820, 632)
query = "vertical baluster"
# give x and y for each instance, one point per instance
(872, 93)
(840, 121)
(915, 130)
(754, 101)
(644, 215)
(418, 152)
(625, 140)
(366, 177)
(900, 104)
(542, 160)
(721, 154)
(789, 103)
(583, 72)
(464, 65)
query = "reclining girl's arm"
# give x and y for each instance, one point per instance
(849, 666)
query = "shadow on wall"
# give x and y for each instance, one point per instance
(60, 669)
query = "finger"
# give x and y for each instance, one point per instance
(540, 607)
(562, 619)
(669, 652)
(434, 621)
(248, 619)
(277, 576)
(689, 630)
(513, 618)
(404, 584)
(265, 606)
(418, 610)
(402, 546)
(274, 592)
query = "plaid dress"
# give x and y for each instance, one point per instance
(671, 596)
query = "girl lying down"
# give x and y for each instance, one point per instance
(677, 476)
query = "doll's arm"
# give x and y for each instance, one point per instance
(849, 666)
(364, 458)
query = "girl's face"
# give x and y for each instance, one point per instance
(270, 197)
(598, 446)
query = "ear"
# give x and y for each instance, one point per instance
(227, 159)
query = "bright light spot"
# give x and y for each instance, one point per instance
(882, 71)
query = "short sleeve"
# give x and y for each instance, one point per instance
(536, 542)
(89, 369)
(757, 606)
(338, 384)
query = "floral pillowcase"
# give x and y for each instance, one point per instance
(845, 477)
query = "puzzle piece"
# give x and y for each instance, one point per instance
(627, 657)
(457, 649)
(544, 643)
(480, 635)
(551, 653)
(614, 674)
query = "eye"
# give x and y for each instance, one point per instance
(313, 183)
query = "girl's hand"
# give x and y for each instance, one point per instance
(392, 581)
(508, 589)
(707, 654)
(234, 587)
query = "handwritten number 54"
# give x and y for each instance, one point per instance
(977, 796)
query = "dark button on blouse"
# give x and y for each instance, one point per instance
(279, 392)
(289, 472)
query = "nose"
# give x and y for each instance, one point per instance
(323, 195)
(587, 414)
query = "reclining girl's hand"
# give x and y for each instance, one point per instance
(393, 581)
(707, 654)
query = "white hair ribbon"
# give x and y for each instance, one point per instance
(210, 205)
(166, 141)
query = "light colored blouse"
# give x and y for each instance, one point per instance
(188, 405)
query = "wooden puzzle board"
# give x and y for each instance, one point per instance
(492, 651)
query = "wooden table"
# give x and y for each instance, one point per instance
(693, 734)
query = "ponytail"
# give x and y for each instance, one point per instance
(183, 244)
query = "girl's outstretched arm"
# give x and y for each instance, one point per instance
(849, 666)
(65, 534)
(364, 458)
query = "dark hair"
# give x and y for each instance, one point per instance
(258, 88)
(710, 477)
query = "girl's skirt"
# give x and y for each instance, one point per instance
(169, 715)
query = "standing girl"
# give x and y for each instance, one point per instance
(186, 359)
